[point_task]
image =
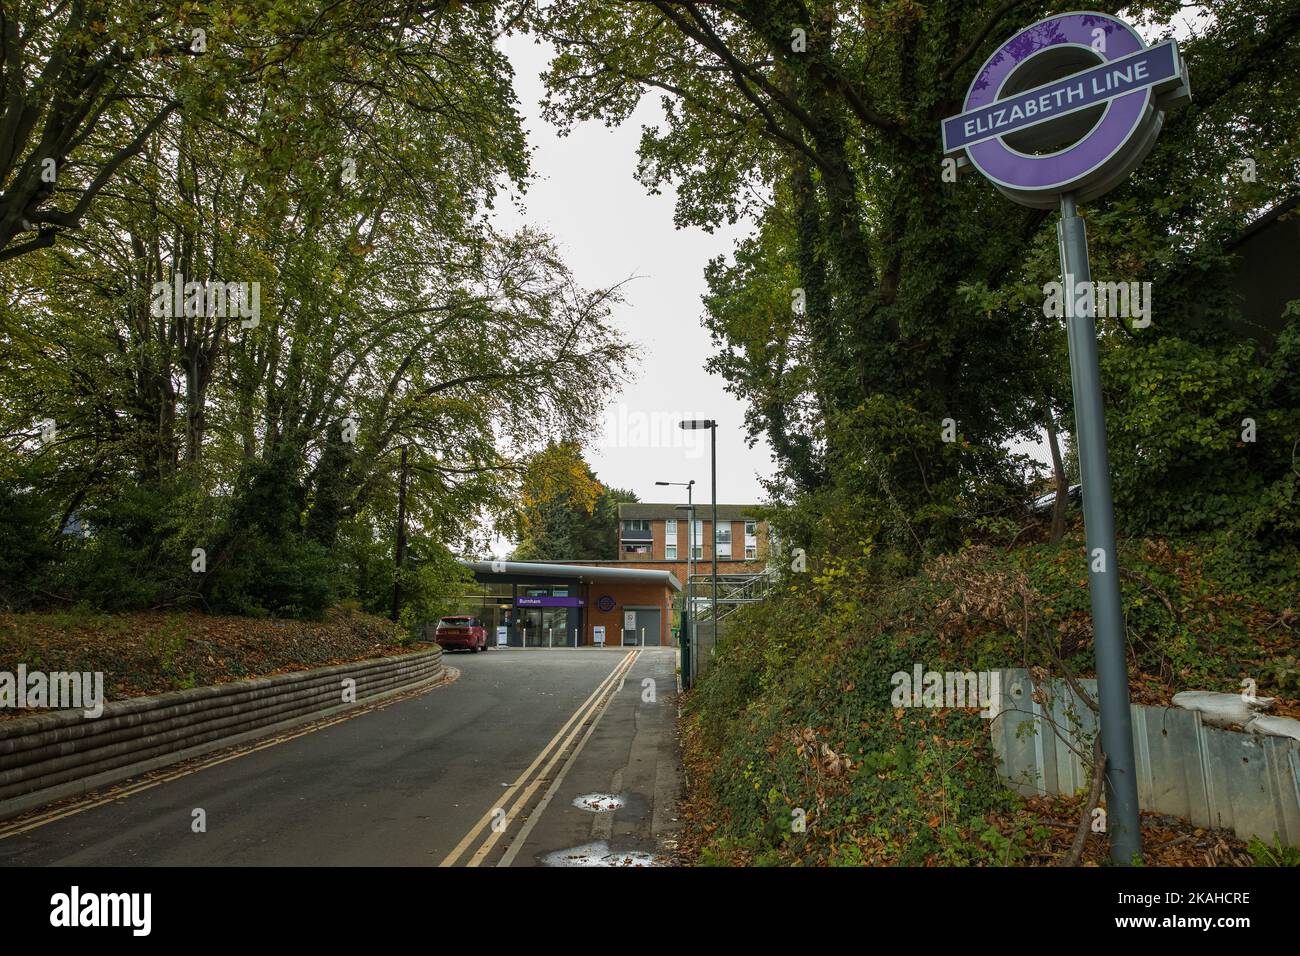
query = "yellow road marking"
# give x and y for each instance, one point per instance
(508, 858)
(450, 674)
(560, 751)
(576, 720)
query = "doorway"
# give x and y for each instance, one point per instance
(648, 623)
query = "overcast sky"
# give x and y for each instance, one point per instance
(609, 228)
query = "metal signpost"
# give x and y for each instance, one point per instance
(1059, 114)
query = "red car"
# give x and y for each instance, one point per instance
(461, 631)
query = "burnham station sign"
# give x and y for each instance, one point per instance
(1061, 113)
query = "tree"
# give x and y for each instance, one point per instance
(566, 513)
(820, 120)
(345, 181)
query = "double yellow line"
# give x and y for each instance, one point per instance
(497, 820)
(98, 798)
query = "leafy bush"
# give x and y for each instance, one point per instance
(26, 545)
(795, 712)
(1275, 854)
(1202, 436)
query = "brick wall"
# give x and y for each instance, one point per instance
(627, 594)
(658, 529)
(678, 568)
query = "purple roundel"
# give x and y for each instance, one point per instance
(1102, 147)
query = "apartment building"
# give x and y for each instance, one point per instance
(660, 536)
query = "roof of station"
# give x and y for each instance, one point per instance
(583, 572)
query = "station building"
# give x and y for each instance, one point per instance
(630, 600)
(550, 604)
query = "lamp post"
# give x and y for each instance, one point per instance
(688, 616)
(400, 555)
(690, 556)
(690, 488)
(712, 425)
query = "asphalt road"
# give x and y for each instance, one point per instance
(452, 777)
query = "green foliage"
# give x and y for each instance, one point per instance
(802, 681)
(1275, 854)
(1182, 459)
(566, 512)
(873, 300)
(371, 142)
(131, 558)
(25, 541)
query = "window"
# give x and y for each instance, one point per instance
(670, 551)
(722, 542)
(637, 524)
(636, 549)
(751, 552)
(670, 528)
(751, 529)
(697, 536)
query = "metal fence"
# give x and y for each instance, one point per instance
(706, 639)
(1246, 783)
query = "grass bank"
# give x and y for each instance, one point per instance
(150, 653)
(795, 721)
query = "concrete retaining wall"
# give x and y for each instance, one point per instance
(52, 756)
(1246, 783)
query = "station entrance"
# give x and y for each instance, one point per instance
(550, 604)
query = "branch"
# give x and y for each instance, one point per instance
(974, 45)
(43, 241)
(1094, 797)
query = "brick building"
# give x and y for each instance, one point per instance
(551, 604)
(659, 536)
(635, 599)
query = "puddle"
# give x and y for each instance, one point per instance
(599, 802)
(597, 854)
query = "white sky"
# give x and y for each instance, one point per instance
(609, 228)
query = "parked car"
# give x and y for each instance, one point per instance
(461, 631)
(1044, 502)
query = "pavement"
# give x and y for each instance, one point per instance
(631, 761)
(483, 770)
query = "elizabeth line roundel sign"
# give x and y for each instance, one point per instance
(1070, 104)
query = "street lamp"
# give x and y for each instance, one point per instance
(690, 555)
(712, 426)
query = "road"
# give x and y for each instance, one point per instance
(483, 770)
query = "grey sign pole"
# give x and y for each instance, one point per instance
(1122, 822)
